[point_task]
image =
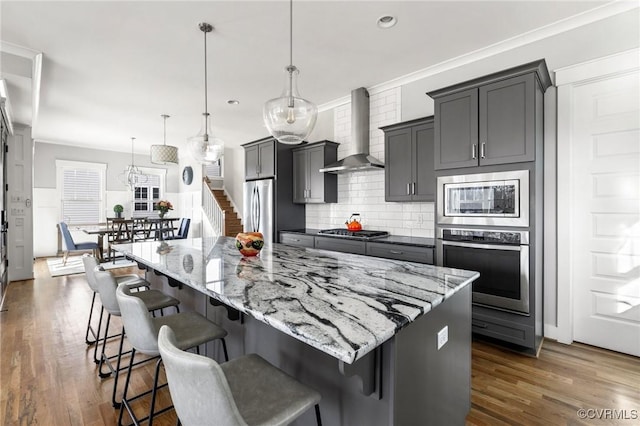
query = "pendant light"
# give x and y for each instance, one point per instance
(290, 118)
(132, 175)
(164, 154)
(204, 147)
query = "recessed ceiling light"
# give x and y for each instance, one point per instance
(387, 21)
(233, 102)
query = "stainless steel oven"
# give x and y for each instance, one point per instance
(501, 257)
(490, 199)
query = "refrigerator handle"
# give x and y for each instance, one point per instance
(259, 213)
(253, 209)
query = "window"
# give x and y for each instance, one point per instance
(214, 170)
(148, 192)
(81, 187)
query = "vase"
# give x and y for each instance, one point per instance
(161, 214)
(249, 243)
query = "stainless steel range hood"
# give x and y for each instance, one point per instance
(361, 160)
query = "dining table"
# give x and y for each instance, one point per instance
(130, 230)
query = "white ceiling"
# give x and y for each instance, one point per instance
(111, 68)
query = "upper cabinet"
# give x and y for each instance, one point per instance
(491, 120)
(259, 159)
(408, 150)
(309, 184)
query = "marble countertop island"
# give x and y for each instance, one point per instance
(342, 304)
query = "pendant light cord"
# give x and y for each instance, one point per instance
(291, 67)
(206, 111)
(290, 32)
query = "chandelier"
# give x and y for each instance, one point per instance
(290, 118)
(132, 175)
(164, 154)
(204, 147)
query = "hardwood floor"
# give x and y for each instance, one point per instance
(48, 377)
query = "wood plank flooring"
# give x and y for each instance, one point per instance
(48, 377)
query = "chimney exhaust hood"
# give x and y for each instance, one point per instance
(361, 160)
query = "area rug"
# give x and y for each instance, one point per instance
(75, 266)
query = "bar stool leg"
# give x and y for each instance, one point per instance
(115, 403)
(318, 419)
(154, 391)
(102, 354)
(124, 404)
(86, 336)
(95, 348)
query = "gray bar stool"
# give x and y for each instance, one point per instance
(153, 300)
(245, 391)
(191, 329)
(132, 280)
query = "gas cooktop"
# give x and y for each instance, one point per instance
(363, 235)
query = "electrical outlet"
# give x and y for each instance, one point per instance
(443, 336)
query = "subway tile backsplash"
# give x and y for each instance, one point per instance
(363, 192)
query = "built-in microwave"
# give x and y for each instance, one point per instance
(499, 198)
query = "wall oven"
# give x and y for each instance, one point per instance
(501, 257)
(490, 199)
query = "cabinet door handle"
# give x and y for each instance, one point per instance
(408, 189)
(479, 324)
(413, 188)
(473, 151)
(482, 149)
(395, 252)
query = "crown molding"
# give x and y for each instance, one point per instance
(593, 15)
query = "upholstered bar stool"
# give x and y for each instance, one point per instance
(152, 300)
(245, 391)
(191, 330)
(132, 280)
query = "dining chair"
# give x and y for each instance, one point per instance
(244, 391)
(71, 245)
(120, 231)
(183, 230)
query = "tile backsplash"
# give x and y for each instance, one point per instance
(363, 192)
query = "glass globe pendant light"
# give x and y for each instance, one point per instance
(290, 118)
(164, 154)
(204, 147)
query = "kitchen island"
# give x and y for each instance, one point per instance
(324, 316)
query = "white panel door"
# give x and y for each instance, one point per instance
(19, 204)
(605, 178)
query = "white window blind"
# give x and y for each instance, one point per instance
(214, 169)
(82, 196)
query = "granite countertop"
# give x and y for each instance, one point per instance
(342, 304)
(391, 239)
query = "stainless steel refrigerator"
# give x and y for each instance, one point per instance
(269, 208)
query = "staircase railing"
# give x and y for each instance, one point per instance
(212, 211)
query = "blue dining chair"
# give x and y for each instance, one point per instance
(73, 246)
(183, 230)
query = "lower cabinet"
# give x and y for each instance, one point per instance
(408, 253)
(294, 239)
(401, 252)
(503, 329)
(343, 245)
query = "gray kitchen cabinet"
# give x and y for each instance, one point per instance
(407, 253)
(259, 159)
(309, 184)
(340, 244)
(296, 239)
(491, 120)
(409, 173)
